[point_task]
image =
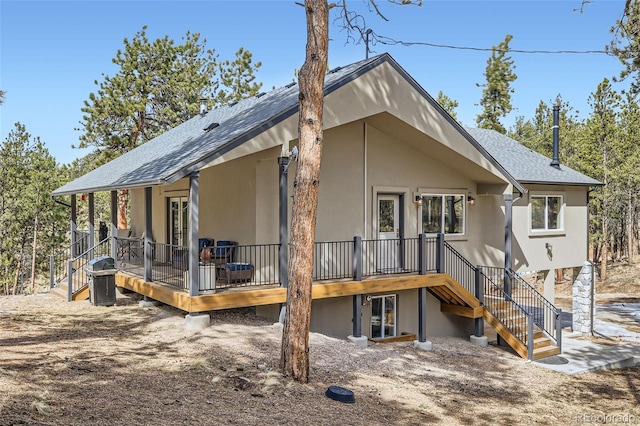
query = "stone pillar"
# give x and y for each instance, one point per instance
(584, 307)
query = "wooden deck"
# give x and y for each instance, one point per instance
(270, 295)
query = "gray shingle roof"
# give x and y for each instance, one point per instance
(188, 147)
(524, 164)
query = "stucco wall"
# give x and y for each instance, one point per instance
(333, 316)
(569, 246)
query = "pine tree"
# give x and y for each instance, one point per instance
(448, 104)
(496, 92)
(158, 85)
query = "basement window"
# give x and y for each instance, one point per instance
(547, 213)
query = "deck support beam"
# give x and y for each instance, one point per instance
(194, 230)
(74, 225)
(148, 221)
(422, 314)
(283, 209)
(114, 224)
(92, 223)
(508, 236)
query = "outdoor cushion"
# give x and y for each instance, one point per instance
(238, 266)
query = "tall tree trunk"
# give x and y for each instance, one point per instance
(123, 205)
(16, 277)
(604, 255)
(34, 254)
(294, 359)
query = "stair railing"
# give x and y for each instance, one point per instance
(545, 314)
(103, 248)
(494, 297)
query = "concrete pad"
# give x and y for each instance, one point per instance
(423, 346)
(361, 341)
(582, 356)
(479, 341)
(278, 327)
(197, 321)
(148, 303)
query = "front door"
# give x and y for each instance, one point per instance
(388, 232)
(178, 221)
(383, 316)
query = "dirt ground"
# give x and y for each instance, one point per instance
(76, 364)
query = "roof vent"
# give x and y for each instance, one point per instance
(290, 85)
(259, 95)
(232, 103)
(211, 126)
(336, 69)
(203, 106)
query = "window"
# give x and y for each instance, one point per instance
(443, 214)
(546, 212)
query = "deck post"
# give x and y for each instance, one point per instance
(508, 218)
(422, 314)
(440, 253)
(92, 223)
(114, 224)
(422, 254)
(52, 271)
(479, 290)
(559, 330)
(283, 204)
(74, 225)
(357, 258)
(530, 336)
(357, 315)
(69, 280)
(194, 203)
(148, 217)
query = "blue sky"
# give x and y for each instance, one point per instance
(52, 51)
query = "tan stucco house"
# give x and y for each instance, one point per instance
(422, 224)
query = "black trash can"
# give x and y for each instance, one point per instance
(102, 281)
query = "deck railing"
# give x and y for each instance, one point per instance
(459, 268)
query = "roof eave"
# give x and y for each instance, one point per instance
(90, 190)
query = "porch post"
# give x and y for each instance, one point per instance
(357, 258)
(194, 231)
(357, 315)
(92, 223)
(148, 227)
(74, 224)
(508, 215)
(479, 322)
(422, 254)
(114, 224)
(283, 204)
(440, 253)
(422, 314)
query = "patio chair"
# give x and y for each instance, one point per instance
(223, 252)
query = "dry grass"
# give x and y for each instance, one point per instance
(77, 364)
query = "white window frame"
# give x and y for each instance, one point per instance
(442, 221)
(561, 212)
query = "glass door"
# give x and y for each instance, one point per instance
(178, 221)
(388, 246)
(383, 316)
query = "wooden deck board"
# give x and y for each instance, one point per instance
(247, 296)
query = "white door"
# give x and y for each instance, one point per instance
(388, 246)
